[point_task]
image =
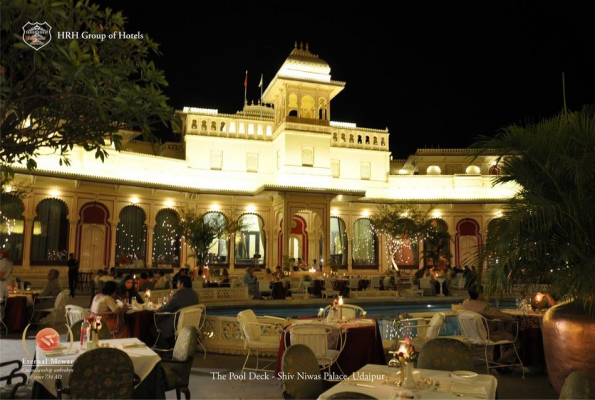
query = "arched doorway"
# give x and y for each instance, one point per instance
(93, 233)
(131, 236)
(298, 238)
(467, 242)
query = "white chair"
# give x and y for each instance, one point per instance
(425, 284)
(386, 283)
(426, 330)
(75, 313)
(413, 290)
(476, 333)
(57, 309)
(353, 284)
(187, 316)
(301, 289)
(316, 337)
(264, 287)
(375, 282)
(259, 337)
(461, 281)
(348, 311)
(328, 289)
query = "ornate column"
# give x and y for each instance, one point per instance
(114, 232)
(27, 238)
(231, 252)
(149, 244)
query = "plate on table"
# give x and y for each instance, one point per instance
(463, 375)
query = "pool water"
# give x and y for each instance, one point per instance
(384, 313)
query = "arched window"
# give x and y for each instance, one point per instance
(131, 236)
(250, 240)
(50, 232)
(338, 242)
(218, 249)
(407, 251)
(364, 244)
(468, 242)
(437, 244)
(307, 107)
(292, 105)
(12, 226)
(166, 238)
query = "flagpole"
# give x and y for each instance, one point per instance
(245, 87)
(261, 104)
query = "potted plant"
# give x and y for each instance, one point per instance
(547, 231)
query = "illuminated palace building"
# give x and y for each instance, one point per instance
(303, 184)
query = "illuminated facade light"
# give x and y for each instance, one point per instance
(215, 207)
(169, 203)
(433, 170)
(54, 193)
(134, 200)
(437, 214)
(499, 214)
(8, 188)
(343, 124)
(403, 171)
(251, 208)
(366, 213)
(473, 170)
(334, 212)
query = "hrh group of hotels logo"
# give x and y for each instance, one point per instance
(38, 34)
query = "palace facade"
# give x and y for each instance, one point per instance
(303, 184)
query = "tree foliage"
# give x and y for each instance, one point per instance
(75, 92)
(547, 231)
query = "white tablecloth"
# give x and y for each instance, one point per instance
(384, 387)
(143, 359)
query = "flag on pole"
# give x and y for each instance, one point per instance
(260, 84)
(246, 88)
(246, 80)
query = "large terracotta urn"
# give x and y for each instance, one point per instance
(569, 343)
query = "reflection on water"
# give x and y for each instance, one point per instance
(385, 314)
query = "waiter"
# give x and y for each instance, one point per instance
(73, 274)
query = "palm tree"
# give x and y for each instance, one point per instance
(547, 231)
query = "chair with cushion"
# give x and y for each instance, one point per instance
(316, 337)
(576, 386)
(445, 355)
(57, 309)
(476, 333)
(104, 333)
(100, 374)
(300, 359)
(187, 316)
(15, 390)
(177, 369)
(328, 289)
(426, 285)
(256, 339)
(75, 313)
(376, 282)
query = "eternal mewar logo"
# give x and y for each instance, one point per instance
(36, 35)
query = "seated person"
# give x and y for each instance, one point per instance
(476, 303)
(51, 289)
(183, 297)
(119, 278)
(181, 272)
(437, 273)
(252, 283)
(104, 304)
(127, 291)
(224, 278)
(199, 280)
(302, 266)
(144, 278)
(293, 264)
(162, 282)
(278, 274)
(420, 274)
(267, 276)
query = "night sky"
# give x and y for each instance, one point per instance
(437, 74)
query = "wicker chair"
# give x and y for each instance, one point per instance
(112, 375)
(299, 358)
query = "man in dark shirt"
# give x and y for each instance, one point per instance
(183, 297)
(73, 274)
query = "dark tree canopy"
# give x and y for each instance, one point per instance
(75, 92)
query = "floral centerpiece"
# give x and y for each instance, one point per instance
(407, 355)
(95, 329)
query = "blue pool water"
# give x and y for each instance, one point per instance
(384, 313)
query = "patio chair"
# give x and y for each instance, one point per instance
(301, 289)
(576, 386)
(264, 287)
(349, 311)
(2, 315)
(353, 284)
(57, 309)
(425, 284)
(328, 289)
(445, 355)
(99, 372)
(187, 316)
(425, 330)
(255, 340)
(300, 359)
(177, 369)
(316, 337)
(413, 289)
(476, 333)
(75, 313)
(376, 282)
(15, 390)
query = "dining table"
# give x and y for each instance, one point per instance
(362, 343)
(58, 364)
(139, 323)
(16, 312)
(381, 382)
(530, 337)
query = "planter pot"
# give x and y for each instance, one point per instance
(568, 334)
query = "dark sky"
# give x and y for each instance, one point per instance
(437, 74)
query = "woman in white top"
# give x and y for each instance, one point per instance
(104, 304)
